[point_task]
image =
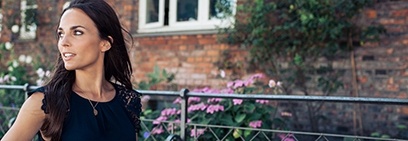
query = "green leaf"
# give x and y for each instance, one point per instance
(249, 108)
(375, 134)
(147, 112)
(385, 136)
(298, 60)
(237, 133)
(239, 118)
(247, 133)
(402, 127)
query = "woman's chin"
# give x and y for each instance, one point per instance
(69, 68)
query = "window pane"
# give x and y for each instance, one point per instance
(187, 10)
(220, 8)
(30, 19)
(152, 13)
(31, 2)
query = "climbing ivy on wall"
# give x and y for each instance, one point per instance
(286, 38)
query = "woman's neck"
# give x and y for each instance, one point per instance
(92, 86)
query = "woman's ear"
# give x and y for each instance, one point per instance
(107, 44)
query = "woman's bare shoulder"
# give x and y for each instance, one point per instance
(34, 102)
(29, 119)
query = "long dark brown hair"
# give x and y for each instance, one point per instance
(117, 65)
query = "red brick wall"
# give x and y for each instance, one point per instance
(190, 57)
(386, 71)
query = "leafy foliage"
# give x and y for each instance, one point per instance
(15, 72)
(156, 77)
(218, 111)
(286, 39)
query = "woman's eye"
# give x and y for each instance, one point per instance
(60, 34)
(77, 32)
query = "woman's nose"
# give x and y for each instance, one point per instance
(64, 41)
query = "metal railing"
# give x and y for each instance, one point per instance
(184, 94)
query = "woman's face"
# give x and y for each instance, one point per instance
(79, 43)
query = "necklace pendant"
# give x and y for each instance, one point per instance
(95, 112)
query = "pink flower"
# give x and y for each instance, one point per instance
(248, 82)
(190, 100)
(279, 84)
(145, 98)
(157, 130)
(215, 100)
(238, 84)
(201, 106)
(262, 101)
(272, 83)
(159, 119)
(177, 100)
(255, 124)
(228, 91)
(197, 132)
(288, 137)
(171, 127)
(230, 84)
(169, 112)
(193, 99)
(214, 108)
(237, 101)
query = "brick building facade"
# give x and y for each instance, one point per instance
(382, 67)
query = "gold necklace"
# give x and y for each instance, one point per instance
(94, 107)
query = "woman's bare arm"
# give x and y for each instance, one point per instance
(29, 120)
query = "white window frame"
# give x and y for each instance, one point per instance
(142, 16)
(24, 34)
(203, 21)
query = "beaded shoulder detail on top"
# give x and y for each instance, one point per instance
(44, 102)
(132, 103)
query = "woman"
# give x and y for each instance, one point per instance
(90, 95)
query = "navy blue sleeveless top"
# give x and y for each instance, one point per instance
(115, 119)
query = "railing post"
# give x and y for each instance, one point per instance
(183, 122)
(26, 89)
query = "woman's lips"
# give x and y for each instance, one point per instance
(68, 56)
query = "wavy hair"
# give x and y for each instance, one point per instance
(117, 65)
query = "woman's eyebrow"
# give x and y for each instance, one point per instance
(73, 27)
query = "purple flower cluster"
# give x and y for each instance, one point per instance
(240, 83)
(213, 105)
(287, 137)
(201, 106)
(237, 101)
(197, 132)
(214, 108)
(214, 100)
(255, 124)
(262, 101)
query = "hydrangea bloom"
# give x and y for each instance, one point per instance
(159, 119)
(211, 109)
(201, 106)
(237, 101)
(262, 101)
(255, 124)
(157, 130)
(169, 112)
(197, 132)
